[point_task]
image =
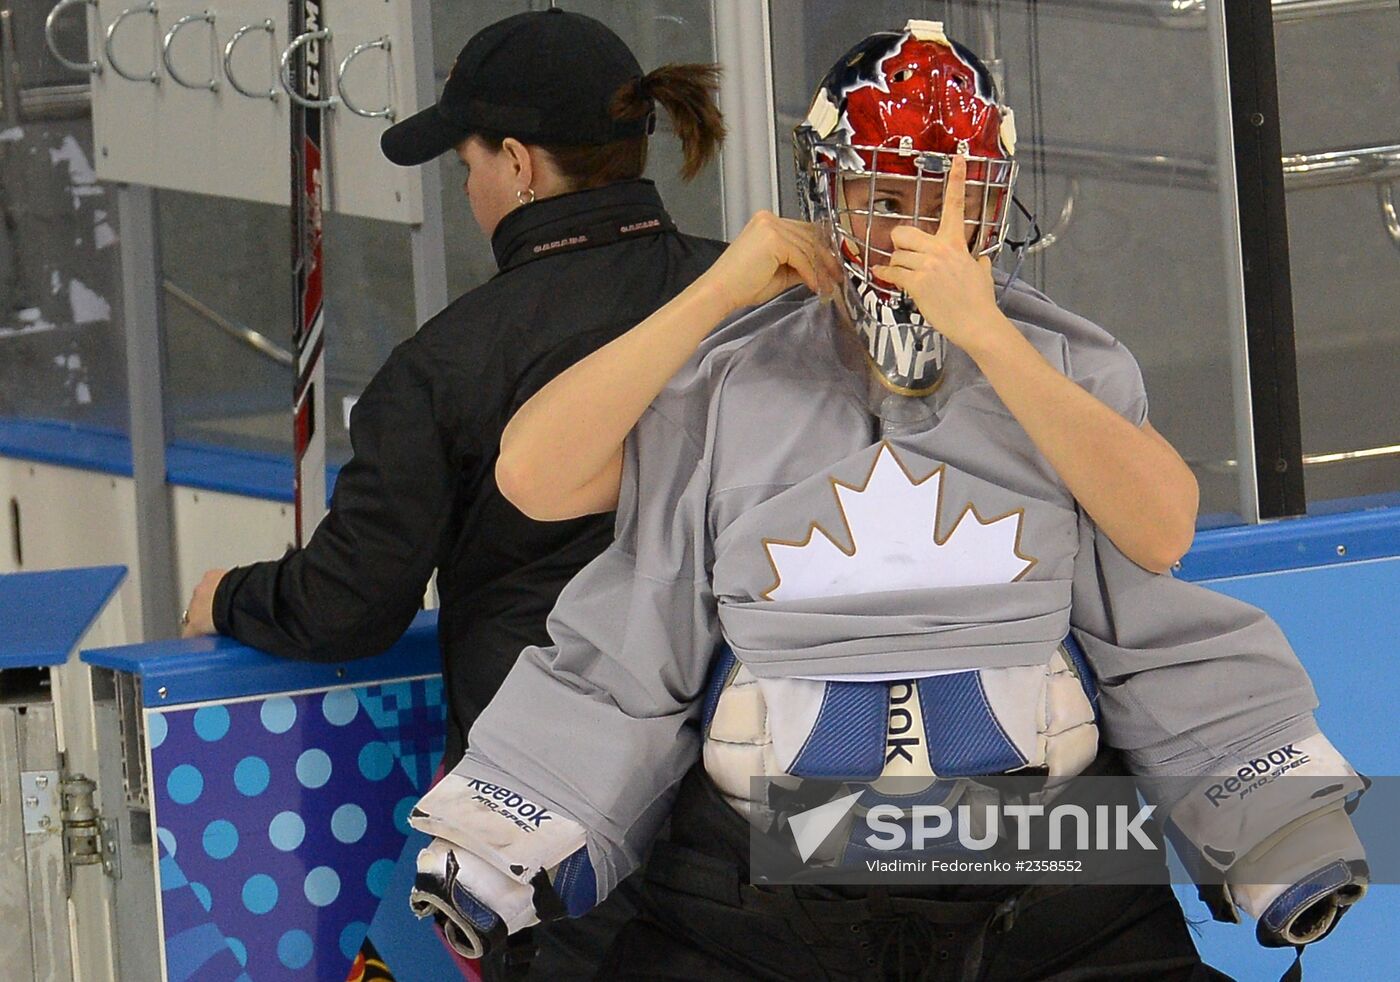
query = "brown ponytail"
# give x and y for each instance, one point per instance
(686, 92)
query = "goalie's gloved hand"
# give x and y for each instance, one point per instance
(478, 905)
(1298, 882)
(450, 886)
(1307, 911)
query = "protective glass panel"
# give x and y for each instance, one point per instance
(227, 263)
(228, 316)
(1338, 93)
(1115, 108)
(61, 351)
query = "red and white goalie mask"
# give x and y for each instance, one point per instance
(872, 155)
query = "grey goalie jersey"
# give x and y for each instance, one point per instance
(852, 559)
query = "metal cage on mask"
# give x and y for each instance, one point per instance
(906, 352)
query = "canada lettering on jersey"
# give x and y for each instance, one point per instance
(911, 357)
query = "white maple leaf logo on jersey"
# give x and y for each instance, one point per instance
(892, 527)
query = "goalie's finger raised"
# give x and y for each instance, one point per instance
(950, 222)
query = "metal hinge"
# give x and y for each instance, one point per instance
(88, 838)
(53, 805)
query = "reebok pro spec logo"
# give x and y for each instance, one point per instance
(1258, 772)
(516, 808)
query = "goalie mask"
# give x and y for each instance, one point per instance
(873, 153)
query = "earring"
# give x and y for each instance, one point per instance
(525, 197)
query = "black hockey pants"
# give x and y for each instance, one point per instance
(701, 920)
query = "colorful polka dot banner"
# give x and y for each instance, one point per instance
(282, 824)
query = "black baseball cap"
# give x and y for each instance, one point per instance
(543, 77)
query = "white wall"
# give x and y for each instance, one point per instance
(216, 531)
(70, 517)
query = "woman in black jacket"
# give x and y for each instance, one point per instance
(550, 113)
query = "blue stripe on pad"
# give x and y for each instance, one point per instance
(847, 742)
(1309, 890)
(481, 916)
(964, 737)
(719, 674)
(576, 883)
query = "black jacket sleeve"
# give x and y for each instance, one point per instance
(354, 588)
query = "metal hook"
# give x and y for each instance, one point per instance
(146, 8)
(91, 67)
(285, 75)
(213, 83)
(388, 112)
(238, 35)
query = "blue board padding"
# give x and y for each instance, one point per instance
(217, 668)
(286, 816)
(1362, 502)
(49, 441)
(44, 615)
(1293, 543)
(195, 465)
(242, 472)
(1342, 621)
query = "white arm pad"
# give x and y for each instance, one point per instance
(503, 827)
(481, 874)
(1228, 815)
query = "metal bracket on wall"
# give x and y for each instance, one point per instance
(51, 804)
(93, 67)
(39, 801)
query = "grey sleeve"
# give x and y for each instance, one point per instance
(601, 725)
(1094, 358)
(1214, 714)
(1186, 676)
(1106, 368)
